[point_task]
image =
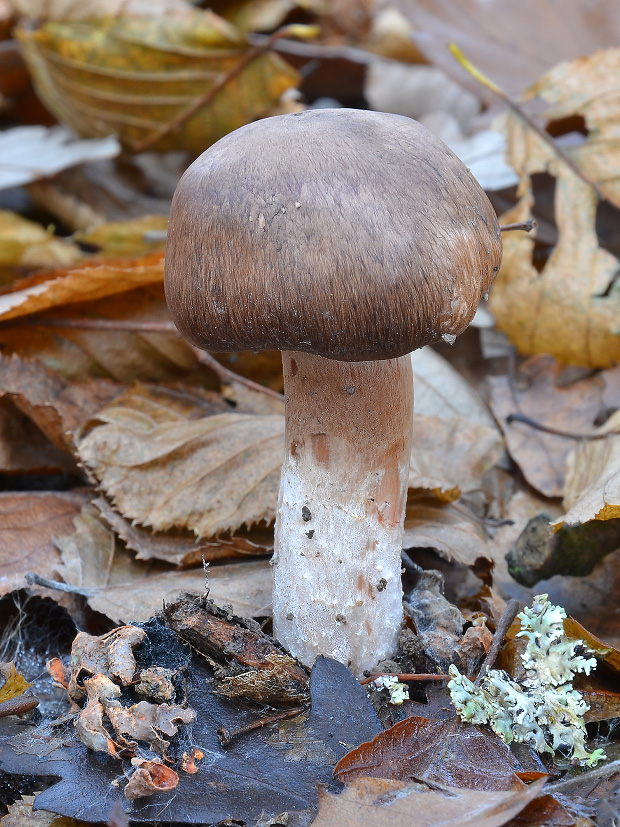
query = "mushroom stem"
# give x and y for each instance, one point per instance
(339, 526)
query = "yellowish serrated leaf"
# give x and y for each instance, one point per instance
(133, 77)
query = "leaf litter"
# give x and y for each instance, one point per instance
(115, 383)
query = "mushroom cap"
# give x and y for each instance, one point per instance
(351, 234)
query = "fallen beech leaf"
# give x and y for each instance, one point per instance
(29, 522)
(32, 152)
(449, 752)
(84, 282)
(126, 355)
(125, 589)
(593, 478)
(21, 814)
(75, 10)
(208, 475)
(181, 547)
(441, 391)
(535, 393)
(514, 55)
(570, 309)
(449, 457)
(133, 76)
(25, 450)
(380, 802)
(25, 243)
(446, 527)
(57, 407)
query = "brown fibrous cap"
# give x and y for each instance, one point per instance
(350, 234)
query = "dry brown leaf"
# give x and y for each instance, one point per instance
(571, 308)
(84, 282)
(447, 527)
(24, 449)
(125, 589)
(181, 547)
(57, 407)
(123, 355)
(21, 814)
(75, 10)
(449, 457)
(593, 478)
(440, 390)
(536, 394)
(380, 802)
(513, 44)
(28, 524)
(163, 470)
(131, 77)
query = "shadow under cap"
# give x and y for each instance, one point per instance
(350, 234)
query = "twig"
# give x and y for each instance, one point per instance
(547, 429)
(526, 226)
(229, 377)
(37, 580)
(406, 676)
(17, 706)
(227, 736)
(508, 615)
(542, 134)
(409, 564)
(208, 97)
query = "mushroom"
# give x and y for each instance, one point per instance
(346, 239)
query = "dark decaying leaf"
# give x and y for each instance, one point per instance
(448, 752)
(264, 772)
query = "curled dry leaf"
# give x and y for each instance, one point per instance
(382, 802)
(84, 282)
(125, 589)
(535, 393)
(59, 408)
(29, 522)
(150, 777)
(74, 10)
(449, 457)
(593, 478)
(208, 475)
(571, 308)
(133, 77)
(447, 527)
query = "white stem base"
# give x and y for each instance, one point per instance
(339, 527)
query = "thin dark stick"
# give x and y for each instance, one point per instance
(226, 736)
(526, 226)
(538, 426)
(508, 615)
(409, 564)
(229, 377)
(37, 580)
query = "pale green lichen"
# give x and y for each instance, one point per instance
(399, 692)
(542, 710)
